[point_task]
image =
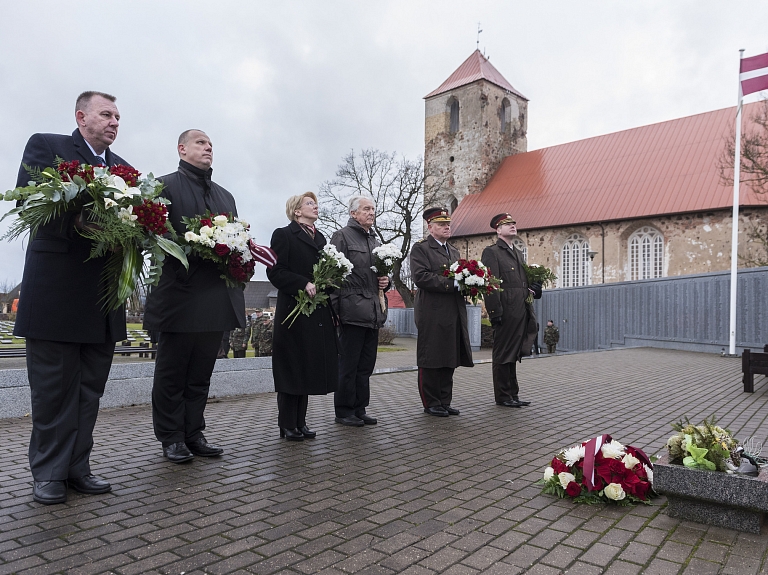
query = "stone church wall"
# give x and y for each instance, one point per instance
(693, 243)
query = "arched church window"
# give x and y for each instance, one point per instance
(454, 126)
(646, 254)
(454, 204)
(576, 269)
(504, 113)
(520, 244)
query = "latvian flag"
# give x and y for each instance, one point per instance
(754, 74)
(263, 254)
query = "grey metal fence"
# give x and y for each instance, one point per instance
(401, 320)
(684, 312)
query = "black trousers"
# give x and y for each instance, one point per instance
(66, 382)
(358, 358)
(436, 386)
(238, 353)
(505, 381)
(291, 410)
(183, 371)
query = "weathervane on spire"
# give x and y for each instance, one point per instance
(478, 35)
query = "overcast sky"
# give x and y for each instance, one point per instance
(286, 88)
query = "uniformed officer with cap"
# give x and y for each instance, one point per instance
(441, 316)
(513, 320)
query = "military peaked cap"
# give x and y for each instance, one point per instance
(499, 219)
(436, 215)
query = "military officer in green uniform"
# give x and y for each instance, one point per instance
(513, 320)
(440, 312)
(261, 335)
(238, 339)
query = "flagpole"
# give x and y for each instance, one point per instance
(735, 226)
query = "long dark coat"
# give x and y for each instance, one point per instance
(197, 300)
(60, 290)
(305, 357)
(439, 310)
(516, 335)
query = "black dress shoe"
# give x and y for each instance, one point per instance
(509, 403)
(520, 401)
(451, 410)
(49, 492)
(437, 411)
(177, 452)
(204, 449)
(291, 434)
(351, 420)
(307, 432)
(89, 484)
(367, 419)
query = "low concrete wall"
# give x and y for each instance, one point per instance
(131, 383)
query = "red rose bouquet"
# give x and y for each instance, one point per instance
(600, 470)
(225, 240)
(474, 279)
(119, 211)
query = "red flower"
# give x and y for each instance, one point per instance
(473, 291)
(206, 222)
(559, 466)
(152, 216)
(480, 273)
(447, 273)
(221, 249)
(573, 489)
(129, 175)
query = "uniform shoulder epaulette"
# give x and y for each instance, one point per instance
(422, 240)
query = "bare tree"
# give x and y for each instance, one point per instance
(397, 187)
(753, 173)
(6, 298)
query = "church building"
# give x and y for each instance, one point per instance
(637, 204)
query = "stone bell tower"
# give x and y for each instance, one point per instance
(473, 121)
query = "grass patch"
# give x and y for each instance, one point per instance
(385, 349)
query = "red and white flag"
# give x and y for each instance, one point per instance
(753, 74)
(263, 254)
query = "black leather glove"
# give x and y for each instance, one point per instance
(496, 321)
(536, 289)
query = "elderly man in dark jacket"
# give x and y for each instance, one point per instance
(440, 312)
(190, 309)
(513, 320)
(357, 305)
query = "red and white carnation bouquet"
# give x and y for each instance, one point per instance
(226, 240)
(474, 279)
(600, 470)
(121, 212)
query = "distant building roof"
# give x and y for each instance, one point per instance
(257, 294)
(394, 299)
(476, 67)
(665, 168)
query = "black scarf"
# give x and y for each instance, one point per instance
(204, 176)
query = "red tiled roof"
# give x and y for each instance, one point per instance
(476, 67)
(394, 299)
(665, 168)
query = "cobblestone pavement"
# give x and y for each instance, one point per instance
(415, 494)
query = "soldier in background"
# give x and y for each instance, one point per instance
(238, 338)
(261, 335)
(551, 336)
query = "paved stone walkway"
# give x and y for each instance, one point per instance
(414, 494)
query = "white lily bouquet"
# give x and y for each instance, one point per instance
(332, 269)
(122, 214)
(385, 258)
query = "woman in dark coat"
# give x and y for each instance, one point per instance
(305, 357)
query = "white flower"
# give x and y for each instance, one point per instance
(374, 268)
(191, 237)
(614, 491)
(206, 231)
(454, 266)
(612, 450)
(565, 478)
(630, 461)
(573, 455)
(220, 220)
(549, 473)
(127, 216)
(648, 472)
(109, 203)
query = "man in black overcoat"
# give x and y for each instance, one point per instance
(190, 310)
(70, 339)
(512, 318)
(440, 312)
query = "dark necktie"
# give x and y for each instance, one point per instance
(446, 250)
(101, 161)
